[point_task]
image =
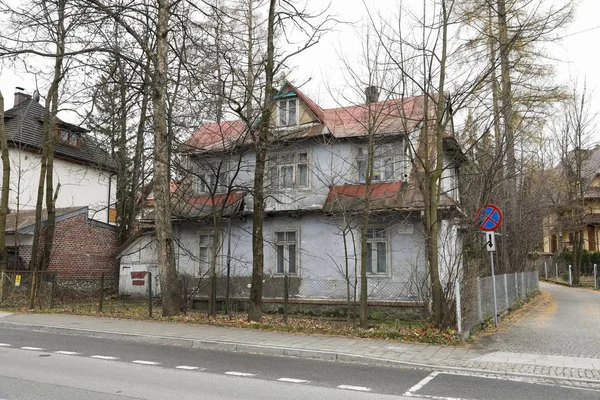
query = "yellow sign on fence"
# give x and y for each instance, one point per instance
(18, 280)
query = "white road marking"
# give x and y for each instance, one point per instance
(105, 357)
(292, 380)
(423, 382)
(146, 362)
(4, 345)
(68, 353)
(234, 373)
(187, 367)
(359, 388)
(32, 348)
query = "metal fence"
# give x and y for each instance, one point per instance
(475, 300)
(561, 271)
(45, 290)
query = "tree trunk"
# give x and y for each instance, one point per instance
(169, 284)
(5, 188)
(258, 256)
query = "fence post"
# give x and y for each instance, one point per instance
(149, 294)
(286, 293)
(546, 268)
(517, 295)
(479, 300)
(570, 276)
(458, 308)
(2, 286)
(595, 278)
(523, 286)
(52, 291)
(101, 298)
(556, 266)
(506, 291)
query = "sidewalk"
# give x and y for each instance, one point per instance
(378, 352)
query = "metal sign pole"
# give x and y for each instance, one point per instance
(494, 285)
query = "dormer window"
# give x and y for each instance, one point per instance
(65, 136)
(288, 112)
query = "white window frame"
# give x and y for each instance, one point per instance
(204, 181)
(375, 236)
(283, 114)
(282, 263)
(284, 161)
(203, 265)
(386, 164)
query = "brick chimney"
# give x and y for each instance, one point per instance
(371, 94)
(20, 96)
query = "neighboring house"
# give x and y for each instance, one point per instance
(82, 249)
(315, 186)
(85, 173)
(564, 220)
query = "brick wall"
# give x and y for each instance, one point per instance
(83, 250)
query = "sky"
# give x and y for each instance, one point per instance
(320, 68)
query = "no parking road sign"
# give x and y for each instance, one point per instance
(490, 217)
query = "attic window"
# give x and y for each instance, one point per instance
(67, 137)
(288, 112)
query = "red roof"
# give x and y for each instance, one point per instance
(214, 135)
(216, 200)
(390, 116)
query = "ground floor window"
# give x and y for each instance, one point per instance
(205, 254)
(286, 249)
(377, 247)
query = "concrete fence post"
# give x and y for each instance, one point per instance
(479, 310)
(506, 290)
(595, 277)
(546, 268)
(570, 276)
(523, 287)
(149, 294)
(458, 308)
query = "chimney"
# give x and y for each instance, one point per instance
(372, 94)
(20, 96)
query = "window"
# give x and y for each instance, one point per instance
(212, 179)
(384, 164)
(290, 171)
(205, 254)
(67, 137)
(288, 112)
(377, 251)
(286, 252)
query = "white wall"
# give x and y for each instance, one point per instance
(80, 185)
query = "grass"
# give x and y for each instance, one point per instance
(397, 330)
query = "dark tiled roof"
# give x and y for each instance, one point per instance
(24, 127)
(24, 220)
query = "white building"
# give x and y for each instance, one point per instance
(84, 174)
(315, 188)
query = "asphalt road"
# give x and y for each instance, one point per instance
(566, 325)
(35, 365)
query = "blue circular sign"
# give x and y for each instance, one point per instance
(490, 217)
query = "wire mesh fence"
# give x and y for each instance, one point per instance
(477, 296)
(45, 290)
(557, 269)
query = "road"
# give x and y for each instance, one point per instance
(565, 324)
(35, 365)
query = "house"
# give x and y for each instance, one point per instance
(85, 172)
(563, 220)
(315, 187)
(82, 248)
(85, 176)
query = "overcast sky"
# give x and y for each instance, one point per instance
(577, 57)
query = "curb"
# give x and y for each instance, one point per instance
(277, 351)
